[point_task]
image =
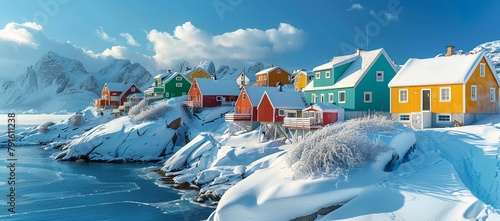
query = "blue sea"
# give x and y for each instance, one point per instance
(46, 189)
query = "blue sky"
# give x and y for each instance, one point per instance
(294, 34)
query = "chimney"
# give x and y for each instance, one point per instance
(450, 50)
(358, 51)
(168, 71)
(272, 65)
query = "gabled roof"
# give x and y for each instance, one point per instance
(286, 99)
(190, 72)
(162, 75)
(255, 93)
(267, 70)
(356, 70)
(455, 69)
(325, 107)
(209, 86)
(172, 76)
(118, 86)
(336, 61)
(136, 95)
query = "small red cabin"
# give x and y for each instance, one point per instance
(114, 95)
(276, 104)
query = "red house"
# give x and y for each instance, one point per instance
(245, 108)
(114, 95)
(315, 117)
(206, 92)
(275, 105)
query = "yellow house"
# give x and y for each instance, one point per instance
(196, 73)
(455, 89)
(301, 79)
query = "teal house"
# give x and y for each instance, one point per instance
(168, 86)
(356, 82)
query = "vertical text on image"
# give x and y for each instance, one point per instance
(11, 162)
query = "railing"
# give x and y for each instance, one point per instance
(192, 103)
(238, 117)
(304, 123)
(227, 103)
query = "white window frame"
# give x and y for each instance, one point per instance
(218, 98)
(178, 84)
(473, 92)
(443, 99)
(443, 115)
(401, 100)
(482, 69)
(178, 78)
(132, 89)
(364, 96)
(381, 76)
(243, 97)
(317, 75)
(330, 97)
(278, 71)
(281, 112)
(345, 97)
(493, 96)
(313, 98)
(327, 74)
(322, 98)
(404, 120)
(167, 94)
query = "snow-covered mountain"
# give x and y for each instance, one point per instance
(492, 50)
(56, 83)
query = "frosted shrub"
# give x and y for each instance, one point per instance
(337, 149)
(45, 127)
(142, 105)
(153, 112)
(76, 119)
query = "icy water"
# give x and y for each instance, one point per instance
(50, 190)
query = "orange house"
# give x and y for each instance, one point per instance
(451, 90)
(114, 95)
(270, 77)
(245, 108)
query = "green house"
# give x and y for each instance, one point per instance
(168, 86)
(356, 82)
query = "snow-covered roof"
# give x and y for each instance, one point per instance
(172, 76)
(267, 70)
(162, 75)
(325, 107)
(336, 61)
(209, 86)
(356, 71)
(118, 86)
(255, 93)
(190, 72)
(286, 99)
(455, 69)
(136, 95)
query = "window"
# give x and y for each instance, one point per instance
(322, 98)
(313, 98)
(183, 93)
(403, 96)
(404, 117)
(473, 92)
(278, 71)
(492, 94)
(218, 98)
(289, 77)
(380, 76)
(243, 97)
(341, 97)
(443, 118)
(281, 112)
(368, 96)
(132, 89)
(482, 69)
(327, 74)
(178, 84)
(178, 78)
(291, 114)
(167, 94)
(195, 86)
(330, 97)
(445, 94)
(318, 74)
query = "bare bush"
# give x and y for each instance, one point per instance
(337, 149)
(153, 112)
(142, 105)
(45, 127)
(76, 119)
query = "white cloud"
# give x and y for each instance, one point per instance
(104, 36)
(388, 16)
(355, 6)
(21, 34)
(130, 39)
(115, 52)
(190, 43)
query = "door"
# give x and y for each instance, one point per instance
(426, 100)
